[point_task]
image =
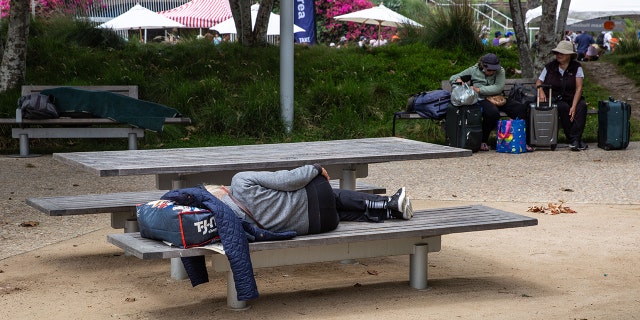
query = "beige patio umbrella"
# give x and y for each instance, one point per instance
(380, 16)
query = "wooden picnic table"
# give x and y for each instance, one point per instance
(185, 167)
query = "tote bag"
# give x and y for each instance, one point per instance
(511, 136)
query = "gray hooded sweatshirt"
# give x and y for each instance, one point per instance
(278, 200)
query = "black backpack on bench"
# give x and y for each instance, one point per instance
(430, 104)
(37, 106)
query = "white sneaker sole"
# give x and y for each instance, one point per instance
(407, 211)
(402, 199)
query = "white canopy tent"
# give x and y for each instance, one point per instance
(588, 9)
(138, 18)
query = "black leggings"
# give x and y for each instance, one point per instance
(491, 115)
(572, 129)
(328, 206)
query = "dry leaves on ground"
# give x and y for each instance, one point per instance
(552, 208)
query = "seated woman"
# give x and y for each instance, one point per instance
(487, 78)
(565, 76)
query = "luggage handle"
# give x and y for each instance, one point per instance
(548, 98)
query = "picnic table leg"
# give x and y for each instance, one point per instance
(133, 141)
(177, 269)
(232, 295)
(348, 180)
(418, 266)
(23, 138)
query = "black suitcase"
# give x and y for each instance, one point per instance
(613, 124)
(543, 123)
(463, 127)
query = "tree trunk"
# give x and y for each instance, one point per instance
(241, 11)
(246, 34)
(14, 59)
(522, 40)
(262, 21)
(546, 36)
(561, 23)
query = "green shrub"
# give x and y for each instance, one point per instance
(453, 26)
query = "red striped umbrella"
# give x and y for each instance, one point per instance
(200, 13)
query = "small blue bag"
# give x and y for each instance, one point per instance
(511, 136)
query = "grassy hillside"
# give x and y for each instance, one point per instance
(232, 92)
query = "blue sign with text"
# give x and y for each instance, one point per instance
(304, 17)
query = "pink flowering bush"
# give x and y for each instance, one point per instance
(330, 30)
(49, 7)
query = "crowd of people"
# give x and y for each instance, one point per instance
(590, 47)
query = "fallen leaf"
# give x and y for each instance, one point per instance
(552, 208)
(29, 224)
(372, 272)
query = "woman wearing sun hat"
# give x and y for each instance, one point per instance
(565, 76)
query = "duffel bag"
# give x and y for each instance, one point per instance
(181, 226)
(430, 104)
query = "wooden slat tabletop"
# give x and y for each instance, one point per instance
(426, 223)
(255, 157)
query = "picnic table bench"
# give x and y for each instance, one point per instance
(87, 127)
(122, 205)
(446, 85)
(351, 240)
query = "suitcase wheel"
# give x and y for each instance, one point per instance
(553, 147)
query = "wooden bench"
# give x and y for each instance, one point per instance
(122, 205)
(446, 85)
(65, 127)
(351, 240)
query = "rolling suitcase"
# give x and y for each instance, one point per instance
(613, 124)
(463, 127)
(543, 123)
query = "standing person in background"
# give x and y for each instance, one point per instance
(607, 40)
(582, 43)
(565, 76)
(507, 41)
(496, 39)
(484, 38)
(396, 37)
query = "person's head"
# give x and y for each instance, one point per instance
(564, 50)
(489, 63)
(498, 34)
(509, 34)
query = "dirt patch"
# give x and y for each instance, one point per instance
(620, 87)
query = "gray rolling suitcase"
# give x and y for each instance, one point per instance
(543, 123)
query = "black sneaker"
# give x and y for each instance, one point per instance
(583, 146)
(575, 145)
(396, 201)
